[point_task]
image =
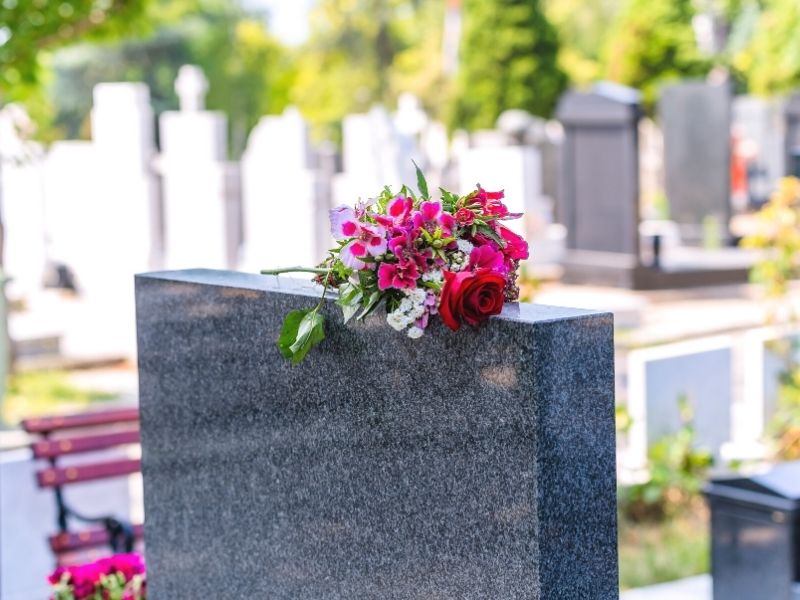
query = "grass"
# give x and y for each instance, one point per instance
(651, 553)
(38, 393)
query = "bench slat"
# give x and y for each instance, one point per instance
(88, 472)
(89, 443)
(89, 419)
(88, 538)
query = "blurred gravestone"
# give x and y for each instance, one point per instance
(599, 202)
(195, 177)
(792, 136)
(696, 121)
(704, 379)
(758, 124)
(370, 156)
(279, 195)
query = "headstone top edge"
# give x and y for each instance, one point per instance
(522, 312)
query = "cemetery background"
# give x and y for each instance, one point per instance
(174, 135)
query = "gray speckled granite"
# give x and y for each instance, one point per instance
(469, 465)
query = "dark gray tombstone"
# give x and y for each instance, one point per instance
(792, 135)
(696, 121)
(600, 170)
(477, 464)
(755, 535)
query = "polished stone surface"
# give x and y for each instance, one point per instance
(477, 464)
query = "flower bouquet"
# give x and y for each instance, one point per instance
(417, 257)
(118, 577)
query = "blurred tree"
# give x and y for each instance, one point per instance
(508, 60)
(770, 57)
(30, 27)
(365, 51)
(582, 30)
(249, 72)
(653, 42)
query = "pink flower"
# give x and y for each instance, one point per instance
(401, 275)
(398, 212)
(486, 257)
(430, 217)
(367, 238)
(516, 247)
(465, 217)
(491, 202)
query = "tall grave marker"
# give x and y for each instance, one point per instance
(599, 201)
(696, 121)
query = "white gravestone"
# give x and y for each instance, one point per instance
(21, 204)
(371, 157)
(195, 178)
(279, 196)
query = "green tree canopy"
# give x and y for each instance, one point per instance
(583, 28)
(653, 42)
(249, 71)
(770, 59)
(28, 28)
(508, 60)
(365, 51)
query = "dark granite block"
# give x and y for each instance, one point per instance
(477, 464)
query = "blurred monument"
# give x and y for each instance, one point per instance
(279, 196)
(195, 178)
(599, 204)
(792, 136)
(696, 121)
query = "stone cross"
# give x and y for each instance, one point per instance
(191, 86)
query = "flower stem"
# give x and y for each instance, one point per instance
(294, 270)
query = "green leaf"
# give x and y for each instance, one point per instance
(349, 300)
(370, 305)
(490, 233)
(422, 183)
(291, 324)
(310, 333)
(302, 330)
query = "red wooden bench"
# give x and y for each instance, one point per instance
(60, 436)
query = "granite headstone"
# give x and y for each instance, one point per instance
(696, 121)
(477, 464)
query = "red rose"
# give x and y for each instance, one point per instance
(471, 297)
(465, 217)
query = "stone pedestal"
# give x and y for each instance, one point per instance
(477, 464)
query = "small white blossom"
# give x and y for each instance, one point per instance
(465, 246)
(458, 261)
(398, 320)
(415, 332)
(435, 276)
(417, 295)
(406, 305)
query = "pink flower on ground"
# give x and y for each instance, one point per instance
(367, 238)
(401, 275)
(486, 257)
(430, 217)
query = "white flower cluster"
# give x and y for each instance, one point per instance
(458, 261)
(411, 308)
(465, 246)
(433, 276)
